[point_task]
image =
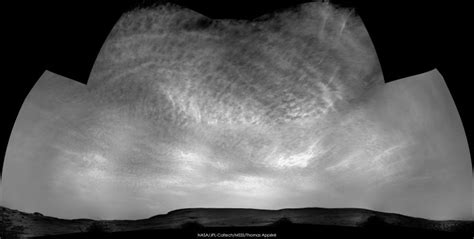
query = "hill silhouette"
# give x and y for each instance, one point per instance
(236, 222)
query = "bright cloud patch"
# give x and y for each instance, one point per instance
(248, 115)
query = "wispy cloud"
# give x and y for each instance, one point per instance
(318, 129)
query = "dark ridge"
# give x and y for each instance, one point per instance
(182, 210)
(282, 222)
(285, 223)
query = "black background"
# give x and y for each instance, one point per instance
(65, 37)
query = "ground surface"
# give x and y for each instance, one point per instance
(203, 222)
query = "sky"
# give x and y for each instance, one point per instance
(238, 115)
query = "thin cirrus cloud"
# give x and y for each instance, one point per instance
(218, 129)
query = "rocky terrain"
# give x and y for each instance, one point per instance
(17, 224)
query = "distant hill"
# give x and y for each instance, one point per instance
(17, 224)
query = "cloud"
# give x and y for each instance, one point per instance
(119, 166)
(245, 124)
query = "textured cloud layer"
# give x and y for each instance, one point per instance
(286, 111)
(282, 69)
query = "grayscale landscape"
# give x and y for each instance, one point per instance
(24, 225)
(287, 110)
